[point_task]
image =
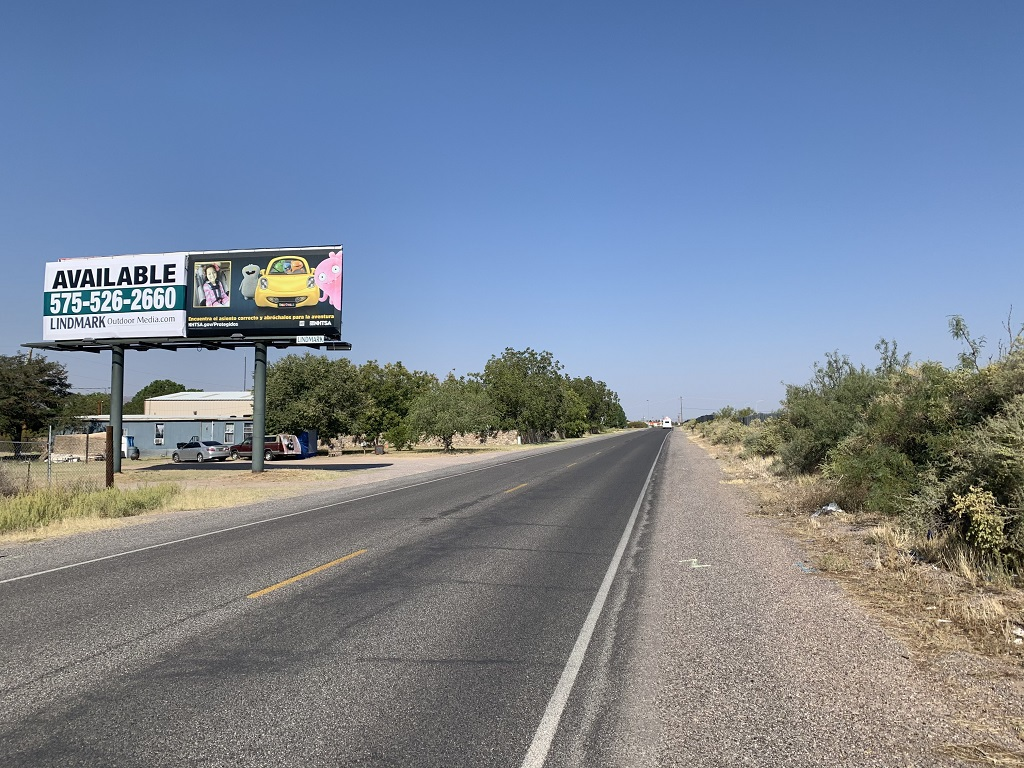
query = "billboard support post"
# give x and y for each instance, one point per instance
(116, 400)
(109, 458)
(259, 407)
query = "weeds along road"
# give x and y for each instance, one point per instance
(605, 604)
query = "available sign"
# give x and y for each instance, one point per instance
(115, 297)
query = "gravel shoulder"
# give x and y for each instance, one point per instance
(752, 658)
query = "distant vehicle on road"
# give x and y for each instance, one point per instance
(201, 450)
(666, 423)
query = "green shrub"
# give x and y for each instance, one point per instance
(725, 432)
(871, 475)
(824, 411)
(924, 509)
(982, 525)
(764, 438)
(992, 454)
(399, 436)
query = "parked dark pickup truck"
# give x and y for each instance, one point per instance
(276, 445)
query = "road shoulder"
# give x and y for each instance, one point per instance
(731, 652)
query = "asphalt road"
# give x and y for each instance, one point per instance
(439, 624)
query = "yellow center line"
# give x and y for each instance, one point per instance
(308, 573)
(571, 465)
(521, 485)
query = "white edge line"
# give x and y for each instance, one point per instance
(538, 752)
(271, 519)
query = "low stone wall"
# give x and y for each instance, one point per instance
(349, 443)
(83, 446)
(476, 441)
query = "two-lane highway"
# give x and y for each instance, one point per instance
(431, 625)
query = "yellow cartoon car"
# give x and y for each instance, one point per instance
(287, 282)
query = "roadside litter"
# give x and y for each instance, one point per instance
(829, 509)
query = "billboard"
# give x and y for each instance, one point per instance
(267, 292)
(115, 297)
(209, 294)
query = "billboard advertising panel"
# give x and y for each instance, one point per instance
(266, 292)
(115, 297)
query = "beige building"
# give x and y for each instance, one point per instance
(201, 404)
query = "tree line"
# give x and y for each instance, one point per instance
(517, 390)
(523, 390)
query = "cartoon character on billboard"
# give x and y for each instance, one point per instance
(329, 279)
(250, 277)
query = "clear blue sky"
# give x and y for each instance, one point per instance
(683, 199)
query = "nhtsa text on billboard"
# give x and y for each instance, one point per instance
(210, 294)
(115, 297)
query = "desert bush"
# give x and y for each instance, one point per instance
(824, 411)
(724, 432)
(870, 475)
(992, 453)
(764, 438)
(8, 485)
(924, 509)
(921, 444)
(982, 525)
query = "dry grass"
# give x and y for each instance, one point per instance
(988, 750)
(984, 753)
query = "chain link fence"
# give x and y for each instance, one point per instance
(32, 464)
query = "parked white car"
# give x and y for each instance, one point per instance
(201, 450)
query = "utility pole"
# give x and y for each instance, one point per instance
(680, 409)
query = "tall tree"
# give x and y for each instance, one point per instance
(77, 404)
(32, 393)
(453, 407)
(158, 388)
(311, 392)
(390, 390)
(603, 408)
(572, 413)
(526, 391)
